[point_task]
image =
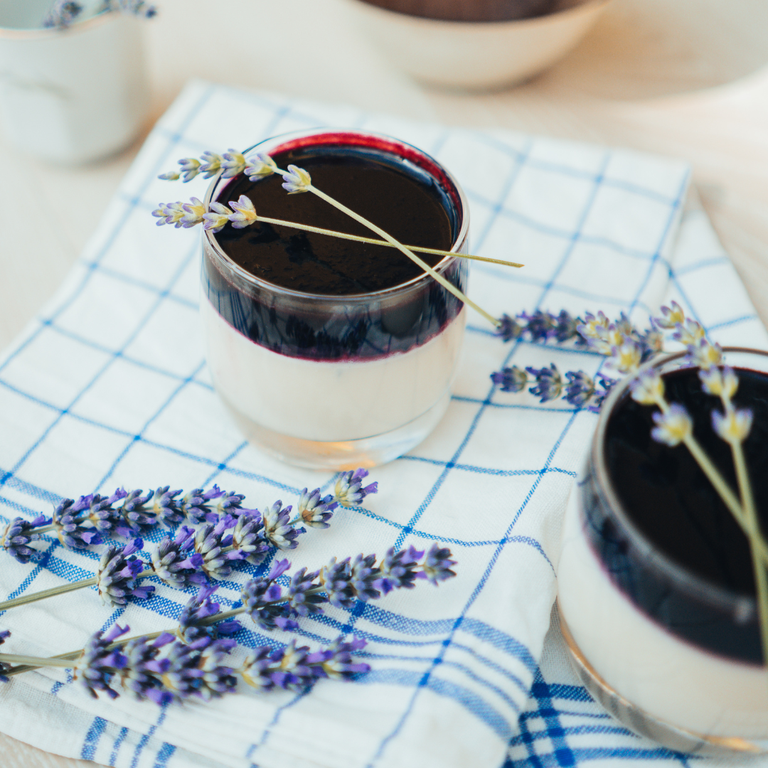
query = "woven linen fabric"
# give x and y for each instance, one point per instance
(108, 388)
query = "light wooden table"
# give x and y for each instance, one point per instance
(688, 78)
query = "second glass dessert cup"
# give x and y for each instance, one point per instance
(667, 640)
(336, 382)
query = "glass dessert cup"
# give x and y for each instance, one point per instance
(672, 653)
(336, 381)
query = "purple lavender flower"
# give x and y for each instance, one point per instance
(336, 577)
(102, 514)
(259, 666)
(299, 667)
(540, 325)
(175, 562)
(549, 383)
(301, 599)
(511, 379)
(315, 510)
(211, 164)
(364, 577)
(192, 625)
(189, 167)
(117, 575)
(134, 7)
(248, 537)
(195, 504)
(142, 673)
(297, 180)
(99, 663)
(19, 534)
(278, 527)
(260, 598)
(508, 328)
(135, 518)
(233, 163)
(166, 507)
(437, 564)
(349, 489)
(217, 217)
(399, 569)
(197, 670)
(260, 165)
(4, 635)
(213, 543)
(579, 389)
(672, 427)
(71, 527)
(339, 663)
(566, 326)
(218, 678)
(62, 13)
(604, 386)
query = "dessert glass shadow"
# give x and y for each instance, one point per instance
(656, 590)
(332, 354)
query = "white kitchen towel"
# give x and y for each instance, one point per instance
(108, 388)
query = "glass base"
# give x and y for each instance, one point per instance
(645, 724)
(341, 454)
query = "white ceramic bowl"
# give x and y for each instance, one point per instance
(475, 55)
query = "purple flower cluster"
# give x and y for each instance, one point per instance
(175, 561)
(163, 670)
(540, 326)
(195, 619)
(19, 534)
(340, 583)
(118, 572)
(349, 491)
(297, 668)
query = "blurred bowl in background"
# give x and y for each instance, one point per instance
(475, 44)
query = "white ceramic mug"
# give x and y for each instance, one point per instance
(71, 95)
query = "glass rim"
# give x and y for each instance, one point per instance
(41, 33)
(684, 578)
(218, 184)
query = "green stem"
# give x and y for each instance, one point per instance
(42, 595)
(372, 241)
(410, 254)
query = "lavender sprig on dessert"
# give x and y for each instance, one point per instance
(296, 180)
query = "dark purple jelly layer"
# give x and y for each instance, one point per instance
(679, 516)
(398, 195)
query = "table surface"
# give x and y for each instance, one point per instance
(688, 79)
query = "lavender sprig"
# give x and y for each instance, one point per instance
(118, 573)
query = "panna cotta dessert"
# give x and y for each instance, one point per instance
(329, 352)
(656, 590)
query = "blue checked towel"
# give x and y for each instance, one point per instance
(108, 388)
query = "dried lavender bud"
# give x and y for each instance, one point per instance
(300, 599)
(349, 489)
(166, 507)
(192, 625)
(196, 670)
(508, 329)
(579, 389)
(212, 543)
(260, 598)
(62, 14)
(399, 569)
(175, 561)
(249, 537)
(117, 574)
(364, 577)
(512, 379)
(337, 580)
(549, 383)
(315, 510)
(196, 507)
(278, 527)
(437, 564)
(339, 663)
(72, 529)
(141, 675)
(19, 534)
(98, 663)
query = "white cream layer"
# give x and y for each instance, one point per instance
(328, 400)
(669, 678)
